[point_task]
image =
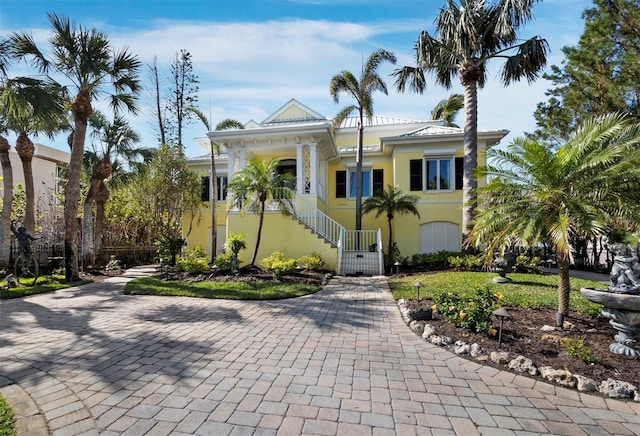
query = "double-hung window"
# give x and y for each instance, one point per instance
(435, 173)
(372, 183)
(206, 188)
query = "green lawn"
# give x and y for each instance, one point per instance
(527, 290)
(44, 284)
(223, 290)
(7, 425)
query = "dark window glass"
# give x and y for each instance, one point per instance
(378, 182)
(222, 188)
(366, 184)
(415, 175)
(432, 175)
(459, 171)
(341, 184)
(445, 174)
(206, 189)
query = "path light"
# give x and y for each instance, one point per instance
(501, 314)
(418, 285)
(214, 269)
(397, 265)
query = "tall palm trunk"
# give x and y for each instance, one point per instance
(564, 289)
(101, 198)
(469, 79)
(26, 150)
(88, 253)
(389, 219)
(81, 108)
(359, 177)
(7, 201)
(214, 204)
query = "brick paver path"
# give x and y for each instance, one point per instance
(338, 362)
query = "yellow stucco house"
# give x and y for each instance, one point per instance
(418, 157)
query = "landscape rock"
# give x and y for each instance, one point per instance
(616, 388)
(501, 357)
(461, 347)
(586, 384)
(417, 326)
(428, 331)
(420, 314)
(547, 328)
(476, 351)
(440, 340)
(523, 364)
(558, 376)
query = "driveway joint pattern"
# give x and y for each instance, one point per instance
(91, 360)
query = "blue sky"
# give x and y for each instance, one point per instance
(252, 56)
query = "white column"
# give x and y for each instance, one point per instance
(242, 159)
(299, 170)
(231, 163)
(313, 168)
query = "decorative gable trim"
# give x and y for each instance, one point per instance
(293, 112)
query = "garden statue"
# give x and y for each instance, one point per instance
(621, 300)
(503, 265)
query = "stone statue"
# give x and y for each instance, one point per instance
(621, 300)
(503, 265)
(625, 270)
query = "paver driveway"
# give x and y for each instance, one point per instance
(340, 361)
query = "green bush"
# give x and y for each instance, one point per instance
(464, 263)
(528, 264)
(280, 265)
(193, 261)
(576, 348)
(432, 260)
(313, 262)
(223, 261)
(472, 313)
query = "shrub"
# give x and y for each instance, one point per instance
(577, 348)
(193, 261)
(464, 263)
(431, 260)
(313, 262)
(280, 265)
(528, 264)
(223, 261)
(473, 313)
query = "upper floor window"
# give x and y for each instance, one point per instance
(221, 191)
(372, 182)
(435, 174)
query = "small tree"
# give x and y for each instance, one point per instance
(390, 203)
(234, 244)
(257, 184)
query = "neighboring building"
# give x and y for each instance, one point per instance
(419, 157)
(48, 164)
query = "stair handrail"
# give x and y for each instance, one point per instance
(320, 223)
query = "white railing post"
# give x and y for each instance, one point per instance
(380, 255)
(340, 249)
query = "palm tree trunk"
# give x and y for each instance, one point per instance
(214, 199)
(81, 109)
(88, 254)
(255, 252)
(390, 238)
(26, 149)
(7, 201)
(101, 200)
(359, 180)
(564, 289)
(469, 182)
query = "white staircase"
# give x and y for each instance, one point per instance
(359, 252)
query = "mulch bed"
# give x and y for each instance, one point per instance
(522, 335)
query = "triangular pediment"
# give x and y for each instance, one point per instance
(293, 112)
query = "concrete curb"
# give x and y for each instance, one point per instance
(29, 419)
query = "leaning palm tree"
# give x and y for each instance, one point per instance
(391, 202)
(32, 106)
(86, 58)
(257, 184)
(447, 109)
(466, 38)
(361, 90)
(225, 124)
(540, 195)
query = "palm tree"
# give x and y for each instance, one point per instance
(85, 57)
(467, 37)
(540, 195)
(225, 124)
(32, 106)
(447, 109)
(361, 90)
(255, 185)
(7, 200)
(116, 141)
(390, 203)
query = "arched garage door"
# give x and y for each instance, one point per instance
(439, 236)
